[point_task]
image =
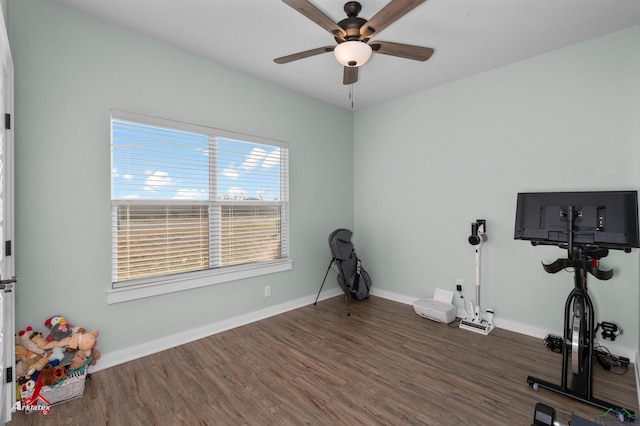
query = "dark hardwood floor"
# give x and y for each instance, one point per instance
(383, 365)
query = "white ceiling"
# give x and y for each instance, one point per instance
(469, 36)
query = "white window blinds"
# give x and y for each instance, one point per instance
(190, 198)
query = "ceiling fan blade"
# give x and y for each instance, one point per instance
(350, 75)
(302, 55)
(417, 53)
(317, 16)
(393, 11)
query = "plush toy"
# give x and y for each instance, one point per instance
(26, 338)
(40, 342)
(27, 385)
(21, 361)
(52, 375)
(57, 354)
(59, 328)
(21, 386)
(60, 356)
(95, 355)
(79, 360)
(27, 362)
(80, 341)
(37, 366)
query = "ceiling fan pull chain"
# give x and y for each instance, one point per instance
(351, 94)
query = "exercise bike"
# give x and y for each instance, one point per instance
(579, 328)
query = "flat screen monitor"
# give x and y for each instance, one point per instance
(607, 219)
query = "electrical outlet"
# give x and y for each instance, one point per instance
(459, 282)
(267, 291)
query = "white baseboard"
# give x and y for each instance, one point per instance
(129, 354)
(112, 359)
(401, 298)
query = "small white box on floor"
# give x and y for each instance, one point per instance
(439, 308)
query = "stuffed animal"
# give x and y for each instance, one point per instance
(27, 362)
(52, 375)
(25, 339)
(79, 360)
(21, 386)
(40, 342)
(80, 341)
(27, 385)
(57, 354)
(22, 361)
(95, 355)
(60, 356)
(37, 366)
(59, 328)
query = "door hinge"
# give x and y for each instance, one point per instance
(9, 374)
(7, 121)
(7, 248)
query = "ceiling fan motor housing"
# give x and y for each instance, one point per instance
(352, 24)
(352, 8)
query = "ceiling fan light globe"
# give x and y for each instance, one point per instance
(352, 53)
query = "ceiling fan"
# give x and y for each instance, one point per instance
(353, 34)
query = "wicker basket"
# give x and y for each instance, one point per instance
(70, 388)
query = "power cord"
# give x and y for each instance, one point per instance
(464, 302)
(612, 363)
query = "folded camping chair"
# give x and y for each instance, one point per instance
(352, 277)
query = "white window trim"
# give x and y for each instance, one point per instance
(176, 283)
(148, 287)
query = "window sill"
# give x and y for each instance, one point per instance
(124, 294)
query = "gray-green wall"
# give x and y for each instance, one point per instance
(426, 166)
(429, 164)
(70, 70)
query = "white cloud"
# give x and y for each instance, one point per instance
(157, 180)
(190, 194)
(273, 159)
(230, 173)
(254, 158)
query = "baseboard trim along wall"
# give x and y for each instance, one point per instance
(112, 359)
(507, 324)
(129, 354)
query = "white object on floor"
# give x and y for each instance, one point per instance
(439, 308)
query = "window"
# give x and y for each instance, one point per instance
(190, 202)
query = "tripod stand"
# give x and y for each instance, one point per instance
(346, 298)
(579, 332)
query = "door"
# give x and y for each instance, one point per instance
(7, 257)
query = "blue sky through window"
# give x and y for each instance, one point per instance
(152, 163)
